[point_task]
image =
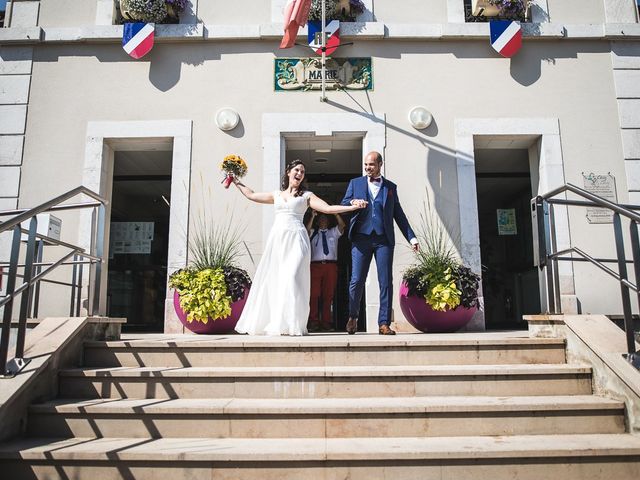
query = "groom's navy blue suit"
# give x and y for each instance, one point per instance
(371, 233)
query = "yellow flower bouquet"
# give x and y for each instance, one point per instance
(233, 166)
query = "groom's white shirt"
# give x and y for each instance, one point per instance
(374, 187)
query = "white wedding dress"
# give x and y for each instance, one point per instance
(278, 302)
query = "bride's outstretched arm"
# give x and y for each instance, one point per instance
(258, 197)
(322, 206)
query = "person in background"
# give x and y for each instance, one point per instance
(324, 268)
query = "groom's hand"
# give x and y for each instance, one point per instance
(359, 203)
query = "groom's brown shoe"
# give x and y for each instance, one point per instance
(386, 330)
(352, 325)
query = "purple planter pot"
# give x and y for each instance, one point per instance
(217, 327)
(420, 314)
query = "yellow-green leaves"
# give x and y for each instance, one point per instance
(444, 295)
(203, 293)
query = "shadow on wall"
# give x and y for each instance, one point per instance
(440, 162)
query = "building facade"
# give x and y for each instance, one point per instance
(75, 109)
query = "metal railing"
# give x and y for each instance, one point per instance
(548, 256)
(33, 270)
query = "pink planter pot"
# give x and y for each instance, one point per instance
(420, 314)
(217, 327)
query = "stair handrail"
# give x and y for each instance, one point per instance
(33, 257)
(545, 243)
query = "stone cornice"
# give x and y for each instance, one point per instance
(351, 31)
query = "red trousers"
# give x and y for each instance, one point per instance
(324, 277)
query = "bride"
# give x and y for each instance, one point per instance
(278, 302)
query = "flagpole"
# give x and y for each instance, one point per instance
(323, 98)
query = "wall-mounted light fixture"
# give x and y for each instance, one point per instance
(420, 118)
(227, 119)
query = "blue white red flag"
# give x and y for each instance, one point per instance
(332, 31)
(506, 37)
(137, 39)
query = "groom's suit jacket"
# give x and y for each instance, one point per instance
(359, 189)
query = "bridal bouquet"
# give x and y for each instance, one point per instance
(233, 166)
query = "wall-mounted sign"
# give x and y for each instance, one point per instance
(604, 186)
(305, 74)
(130, 238)
(507, 221)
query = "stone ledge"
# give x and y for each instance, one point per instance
(113, 33)
(34, 322)
(268, 373)
(596, 340)
(622, 30)
(329, 406)
(361, 31)
(20, 35)
(322, 449)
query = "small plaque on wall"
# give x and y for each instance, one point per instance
(604, 186)
(507, 221)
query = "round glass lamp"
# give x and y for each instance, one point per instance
(227, 119)
(420, 118)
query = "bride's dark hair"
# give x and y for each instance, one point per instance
(284, 184)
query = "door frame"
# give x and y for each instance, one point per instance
(547, 153)
(102, 140)
(275, 129)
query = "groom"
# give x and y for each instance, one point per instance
(371, 233)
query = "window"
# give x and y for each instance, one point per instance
(638, 5)
(485, 11)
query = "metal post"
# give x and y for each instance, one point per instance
(549, 251)
(74, 274)
(79, 295)
(635, 248)
(98, 252)
(556, 270)
(24, 299)
(323, 98)
(8, 308)
(624, 291)
(34, 300)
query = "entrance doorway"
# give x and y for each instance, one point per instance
(139, 238)
(509, 277)
(331, 162)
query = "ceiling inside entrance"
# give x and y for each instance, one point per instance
(142, 163)
(326, 155)
(504, 141)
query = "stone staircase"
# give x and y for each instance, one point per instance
(462, 406)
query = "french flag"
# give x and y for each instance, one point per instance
(315, 36)
(506, 37)
(137, 39)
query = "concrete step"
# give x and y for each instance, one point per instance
(328, 417)
(324, 350)
(531, 457)
(322, 382)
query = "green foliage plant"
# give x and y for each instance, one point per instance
(334, 11)
(438, 275)
(213, 280)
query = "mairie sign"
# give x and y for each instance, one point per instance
(305, 74)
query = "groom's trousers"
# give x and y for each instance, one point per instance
(363, 249)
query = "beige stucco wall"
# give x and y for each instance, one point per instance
(236, 12)
(576, 11)
(571, 81)
(411, 11)
(67, 13)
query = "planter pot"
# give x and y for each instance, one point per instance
(421, 316)
(219, 326)
(485, 8)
